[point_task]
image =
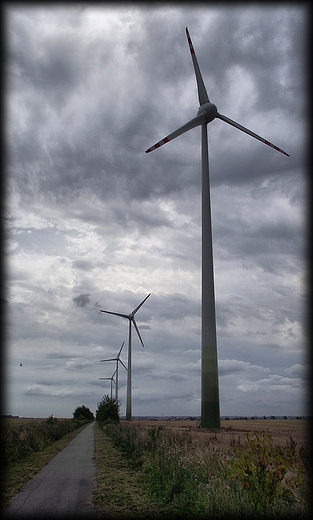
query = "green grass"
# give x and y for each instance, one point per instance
(17, 474)
(193, 478)
(119, 491)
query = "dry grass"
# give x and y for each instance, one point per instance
(119, 491)
(193, 470)
(20, 420)
(234, 431)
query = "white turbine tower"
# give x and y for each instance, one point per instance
(112, 380)
(131, 318)
(210, 407)
(117, 359)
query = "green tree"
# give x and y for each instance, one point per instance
(108, 410)
(82, 412)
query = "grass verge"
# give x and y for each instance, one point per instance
(15, 477)
(193, 477)
(119, 491)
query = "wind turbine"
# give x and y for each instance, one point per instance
(210, 407)
(112, 379)
(117, 359)
(131, 318)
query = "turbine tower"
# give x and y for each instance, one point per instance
(210, 406)
(131, 318)
(117, 359)
(112, 380)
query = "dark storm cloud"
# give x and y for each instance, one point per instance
(97, 223)
(81, 300)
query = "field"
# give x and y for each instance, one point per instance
(235, 429)
(250, 468)
(21, 420)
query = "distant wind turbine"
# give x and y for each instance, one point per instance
(117, 359)
(210, 406)
(131, 318)
(112, 380)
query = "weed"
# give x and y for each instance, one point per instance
(267, 473)
(18, 441)
(195, 477)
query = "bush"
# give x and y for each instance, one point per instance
(108, 410)
(267, 472)
(82, 412)
(19, 440)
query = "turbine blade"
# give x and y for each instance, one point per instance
(123, 364)
(202, 93)
(256, 136)
(115, 313)
(140, 304)
(196, 121)
(137, 330)
(118, 355)
(111, 359)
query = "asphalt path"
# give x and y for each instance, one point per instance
(63, 488)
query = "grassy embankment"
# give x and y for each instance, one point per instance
(248, 469)
(119, 491)
(29, 444)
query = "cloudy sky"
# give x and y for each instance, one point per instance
(92, 222)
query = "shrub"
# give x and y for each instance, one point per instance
(82, 412)
(267, 472)
(108, 410)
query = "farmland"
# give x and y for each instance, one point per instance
(247, 469)
(231, 429)
(157, 468)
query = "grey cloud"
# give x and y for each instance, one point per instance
(82, 300)
(88, 90)
(84, 265)
(59, 355)
(298, 370)
(233, 366)
(46, 390)
(77, 364)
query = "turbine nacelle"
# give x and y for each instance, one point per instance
(210, 111)
(207, 111)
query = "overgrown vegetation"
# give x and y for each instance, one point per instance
(195, 478)
(270, 474)
(21, 439)
(119, 492)
(108, 410)
(16, 475)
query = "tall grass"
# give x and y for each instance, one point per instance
(195, 477)
(19, 440)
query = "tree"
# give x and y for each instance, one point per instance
(108, 410)
(82, 412)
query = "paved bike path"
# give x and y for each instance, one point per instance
(63, 488)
